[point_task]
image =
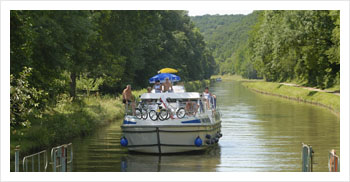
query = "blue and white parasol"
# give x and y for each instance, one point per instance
(161, 77)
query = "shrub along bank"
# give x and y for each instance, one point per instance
(197, 86)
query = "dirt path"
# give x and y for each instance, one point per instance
(310, 88)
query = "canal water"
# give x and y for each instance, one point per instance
(260, 133)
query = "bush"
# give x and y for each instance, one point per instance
(197, 86)
(26, 101)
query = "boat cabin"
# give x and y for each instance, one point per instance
(191, 101)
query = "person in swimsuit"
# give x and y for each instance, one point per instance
(128, 98)
(167, 86)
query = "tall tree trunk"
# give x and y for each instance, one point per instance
(73, 84)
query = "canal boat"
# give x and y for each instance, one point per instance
(171, 123)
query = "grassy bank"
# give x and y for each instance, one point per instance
(234, 77)
(68, 119)
(328, 100)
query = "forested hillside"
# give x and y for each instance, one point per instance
(300, 46)
(225, 35)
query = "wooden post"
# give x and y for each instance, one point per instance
(307, 154)
(333, 162)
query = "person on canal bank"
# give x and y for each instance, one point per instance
(157, 87)
(209, 98)
(167, 86)
(128, 99)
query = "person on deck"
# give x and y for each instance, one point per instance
(209, 98)
(128, 98)
(157, 87)
(167, 86)
(191, 108)
(149, 89)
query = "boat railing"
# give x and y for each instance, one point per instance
(193, 107)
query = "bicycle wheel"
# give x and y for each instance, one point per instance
(181, 113)
(138, 113)
(144, 114)
(153, 115)
(163, 114)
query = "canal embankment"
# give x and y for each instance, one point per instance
(291, 92)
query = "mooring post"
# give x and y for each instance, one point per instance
(333, 161)
(311, 158)
(306, 155)
(17, 158)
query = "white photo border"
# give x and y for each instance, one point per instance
(6, 6)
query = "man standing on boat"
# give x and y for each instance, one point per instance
(128, 99)
(167, 86)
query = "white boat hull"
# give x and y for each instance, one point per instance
(171, 136)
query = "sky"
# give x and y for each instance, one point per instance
(220, 12)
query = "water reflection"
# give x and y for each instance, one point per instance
(205, 161)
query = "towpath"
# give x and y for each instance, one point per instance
(312, 89)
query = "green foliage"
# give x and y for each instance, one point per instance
(25, 100)
(289, 45)
(88, 84)
(146, 42)
(197, 86)
(118, 46)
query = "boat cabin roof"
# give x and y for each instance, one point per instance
(184, 95)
